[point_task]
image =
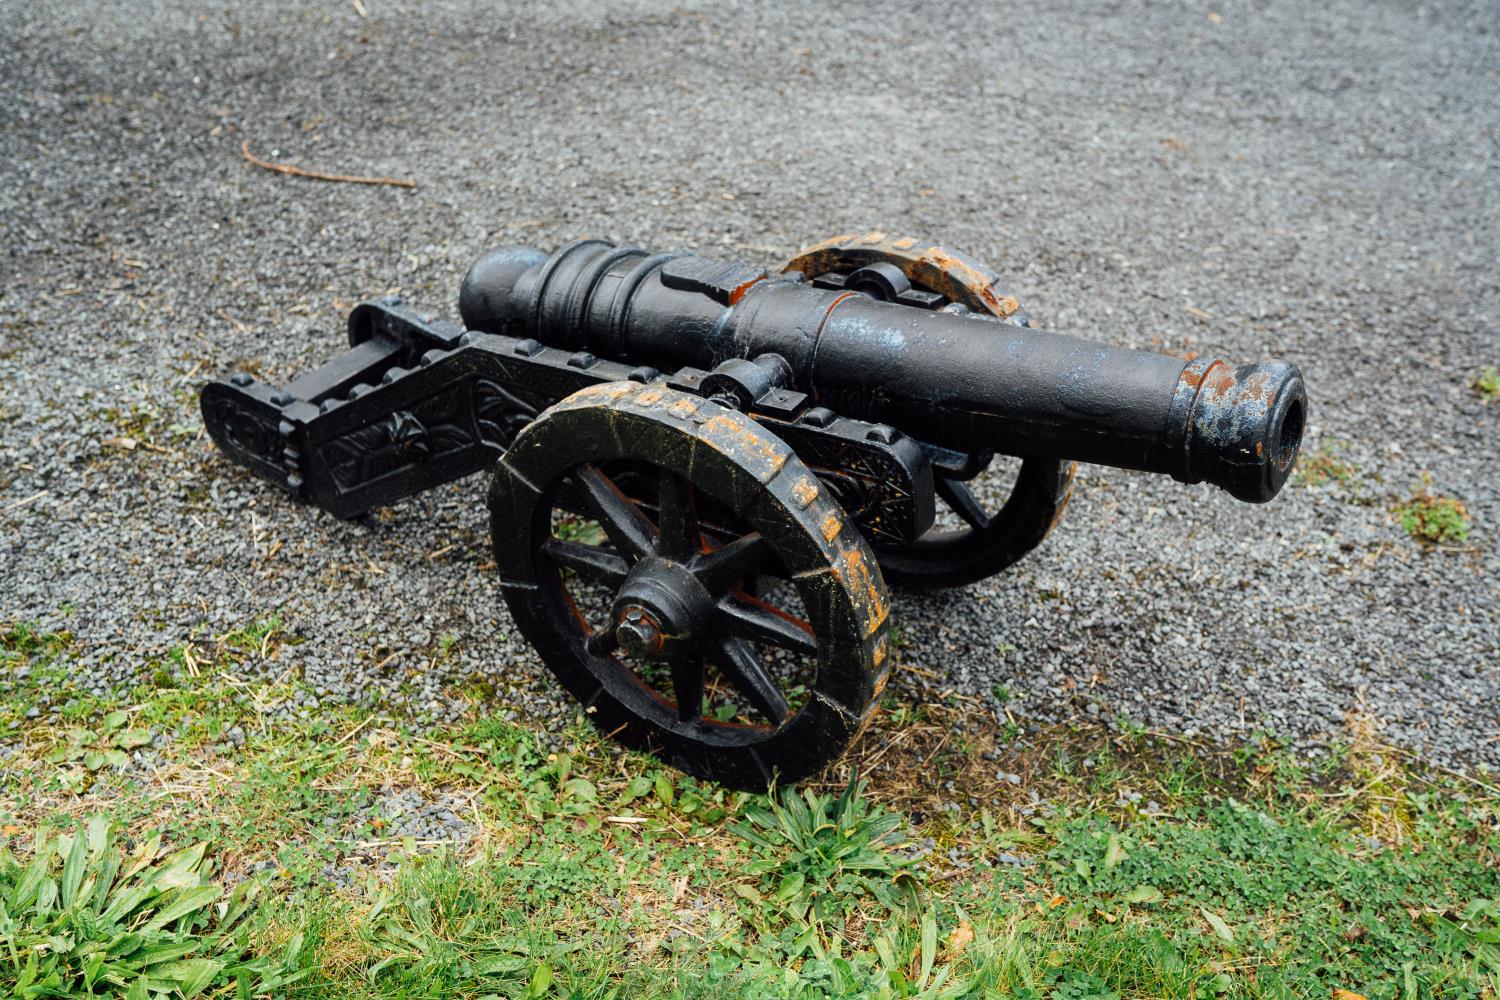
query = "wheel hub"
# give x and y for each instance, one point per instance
(661, 610)
(638, 634)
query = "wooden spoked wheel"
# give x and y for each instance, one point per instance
(691, 583)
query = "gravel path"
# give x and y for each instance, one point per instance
(1315, 182)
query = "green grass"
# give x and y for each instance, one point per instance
(85, 917)
(1487, 383)
(1433, 519)
(1155, 867)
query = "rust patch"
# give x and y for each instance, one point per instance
(878, 656)
(607, 392)
(1193, 379)
(860, 576)
(953, 275)
(830, 527)
(742, 439)
(1219, 381)
(864, 587)
(684, 408)
(804, 492)
(957, 272)
(723, 425)
(1222, 386)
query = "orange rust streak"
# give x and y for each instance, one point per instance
(817, 395)
(835, 304)
(1193, 380)
(739, 293)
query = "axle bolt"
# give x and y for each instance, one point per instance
(638, 634)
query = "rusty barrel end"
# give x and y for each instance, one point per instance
(1241, 425)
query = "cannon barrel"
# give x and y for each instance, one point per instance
(961, 381)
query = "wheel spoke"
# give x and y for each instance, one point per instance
(592, 561)
(962, 500)
(722, 568)
(746, 672)
(678, 518)
(603, 643)
(687, 686)
(751, 618)
(619, 516)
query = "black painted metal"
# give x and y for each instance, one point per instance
(416, 403)
(985, 541)
(957, 380)
(726, 427)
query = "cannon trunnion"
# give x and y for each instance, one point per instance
(704, 472)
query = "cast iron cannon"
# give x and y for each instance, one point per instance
(704, 473)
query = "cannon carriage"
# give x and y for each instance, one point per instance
(706, 473)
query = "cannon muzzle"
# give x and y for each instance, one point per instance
(954, 379)
(1242, 425)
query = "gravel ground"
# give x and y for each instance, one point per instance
(1308, 181)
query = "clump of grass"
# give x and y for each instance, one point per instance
(828, 850)
(23, 642)
(86, 918)
(252, 639)
(1487, 383)
(1434, 519)
(836, 910)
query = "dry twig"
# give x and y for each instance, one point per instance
(318, 175)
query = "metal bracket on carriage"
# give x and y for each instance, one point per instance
(881, 477)
(413, 403)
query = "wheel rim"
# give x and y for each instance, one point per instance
(723, 503)
(988, 542)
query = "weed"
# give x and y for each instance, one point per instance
(570, 528)
(1433, 519)
(23, 642)
(898, 635)
(254, 638)
(829, 850)
(833, 894)
(1487, 383)
(96, 749)
(85, 916)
